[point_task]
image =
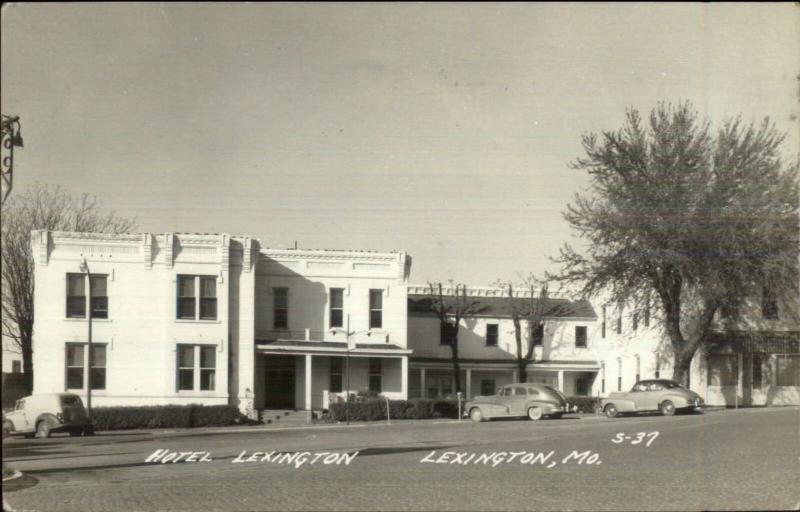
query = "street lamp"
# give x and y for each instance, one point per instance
(11, 138)
(348, 333)
(85, 268)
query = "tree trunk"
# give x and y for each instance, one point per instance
(27, 367)
(681, 369)
(522, 373)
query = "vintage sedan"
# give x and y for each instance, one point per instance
(665, 396)
(518, 400)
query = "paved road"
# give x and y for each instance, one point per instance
(729, 460)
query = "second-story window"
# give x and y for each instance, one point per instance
(193, 305)
(647, 315)
(337, 307)
(619, 323)
(769, 305)
(445, 333)
(635, 321)
(603, 325)
(77, 297)
(375, 309)
(580, 336)
(491, 335)
(538, 335)
(280, 308)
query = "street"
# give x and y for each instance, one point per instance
(745, 459)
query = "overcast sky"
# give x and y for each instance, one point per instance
(443, 130)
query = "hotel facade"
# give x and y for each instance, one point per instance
(219, 319)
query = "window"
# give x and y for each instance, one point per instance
(647, 315)
(193, 307)
(76, 366)
(336, 375)
(76, 296)
(208, 298)
(658, 367)
(520, 391)
(491, 335)
(532, 391)
(788, 370)
(619, 324)
(538, 335)
(375, 375)
(197, 367)
(638, 368)
(280, 308)
(582, 386)
(641, 386)
(603, 377)
(487, 387)
(723, 370)
(603, 325)
(757, 379)
(336, 307)
(16, 366)
(619, 374)
(99, 302)
(580, 336)
(635, 325)
(446, 333)
(375, 309)
(769, 305)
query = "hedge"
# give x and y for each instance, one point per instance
(375, 410)
(588, 404)
(165, 416)
(14, 387)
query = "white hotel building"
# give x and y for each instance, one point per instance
(217, 319)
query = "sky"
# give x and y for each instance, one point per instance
(442, 130)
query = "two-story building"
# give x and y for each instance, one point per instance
(564, 354)
(213, 319)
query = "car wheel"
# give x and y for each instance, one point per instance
(476, 415)
(667, 408)
(611, 411)
(6, 430)
(42, 430)
(535, 413)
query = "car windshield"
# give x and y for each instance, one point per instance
(70, 400)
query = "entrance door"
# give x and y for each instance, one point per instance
(279, 385)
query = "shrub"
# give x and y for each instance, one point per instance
(164, 416)
(14, 388)
(375, 410)
(588, 404)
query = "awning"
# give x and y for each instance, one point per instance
(772, 342)
(329, 348)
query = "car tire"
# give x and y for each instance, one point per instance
(535, 413)
(611, 411)
(43, 429)
(667, 408)
(476, 415)
(7, 429)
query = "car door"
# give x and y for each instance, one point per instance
(651, 396)
(639, 396)
(518, 402)
(19, 418)
(505, 401)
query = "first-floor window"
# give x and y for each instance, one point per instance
(757, 378)
(487, 387)
(788, 370)
(77, 360)
(375, 375)
(336, 375)
(197, 367)
(723, 370)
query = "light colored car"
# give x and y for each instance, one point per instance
(518, 400)
(46, 413)
(662, 395)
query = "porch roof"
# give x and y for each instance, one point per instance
(335, 347)
(507, 363)
(772, 342)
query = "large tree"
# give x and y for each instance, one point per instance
(530, 309)
(450, 309)
(692, 217)
(41, 207)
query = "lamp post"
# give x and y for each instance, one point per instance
(348, 333)
(85, 268)
(12, 138)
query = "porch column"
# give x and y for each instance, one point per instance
(422, 382)
(469, 383)
(404, 377)
(561, 380)
(308, 388)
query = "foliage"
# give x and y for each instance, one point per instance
(689, 219)
(42, 207)
(587, 404)
(165, 416)
(14, 388)
(375, 410)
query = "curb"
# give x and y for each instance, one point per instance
(17, 474)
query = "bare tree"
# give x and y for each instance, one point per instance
(450, 309)
(42, 207)
(693, 220)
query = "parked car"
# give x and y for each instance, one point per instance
(42, 414)
(518, 400)
(662, 395)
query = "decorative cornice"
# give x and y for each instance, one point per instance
(76, 237)
(480, 291)
(169, 249)
(327, 254)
